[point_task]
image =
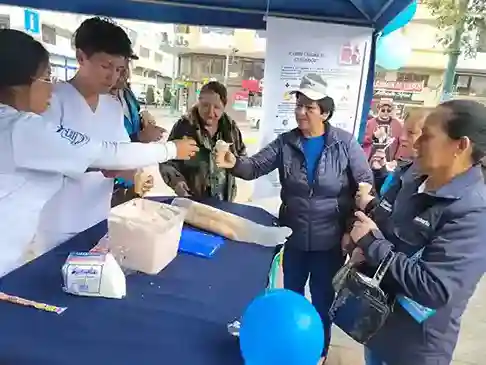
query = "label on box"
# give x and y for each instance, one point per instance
(83, 272)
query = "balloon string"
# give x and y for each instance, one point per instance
(267, 11)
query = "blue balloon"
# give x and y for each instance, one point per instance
(281, 327)
(401, 19)
(393, 51)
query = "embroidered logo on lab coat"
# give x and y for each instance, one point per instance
(75, 138)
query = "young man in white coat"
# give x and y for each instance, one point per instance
(37, 156)
(84, 104)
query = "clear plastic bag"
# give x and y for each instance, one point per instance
(229, 225)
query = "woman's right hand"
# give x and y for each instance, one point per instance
(378, 160)
(181, 189)
(186, 148)
(225, 160)
(363, 195)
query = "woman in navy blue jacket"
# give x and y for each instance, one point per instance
(432, 218)
(320, 167)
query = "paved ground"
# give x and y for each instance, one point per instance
(470, 350)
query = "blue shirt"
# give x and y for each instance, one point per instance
(133, 126)
(313, 147)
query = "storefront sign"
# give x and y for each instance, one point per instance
(240, 100)
(254, 86)
(393, 95)
(415, 87)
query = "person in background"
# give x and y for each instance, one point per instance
(432, 219)
(206, 123)
(320, 167)
(37, 155)
(412, 130)
(383, 132)
(141, 127)
(84, 104)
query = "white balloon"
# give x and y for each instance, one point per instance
(393, 50)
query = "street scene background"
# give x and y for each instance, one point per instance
(177, 59)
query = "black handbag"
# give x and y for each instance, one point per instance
(361, 307)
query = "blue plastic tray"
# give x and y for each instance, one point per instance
(199, 243)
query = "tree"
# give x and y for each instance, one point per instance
(150, 96)
(459, 21)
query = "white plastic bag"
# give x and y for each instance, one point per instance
(231, 226)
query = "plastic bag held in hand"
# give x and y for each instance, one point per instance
(229, 225)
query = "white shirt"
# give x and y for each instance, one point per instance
(84, 201)
(35, 155)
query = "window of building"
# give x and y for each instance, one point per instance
(380, 75)
(201, 66)
(182, 29)
(234, 68)
(470, 85)
(185, 65)
(138, 71)
(413, 77)
(48, 34)
(217, 66)
(144, 52)
(252, 70)
(481, 39)
(4, 21)
(158, 57)
(222, 31)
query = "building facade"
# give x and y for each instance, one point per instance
(419, 83)
(156, 67)
(231, 56)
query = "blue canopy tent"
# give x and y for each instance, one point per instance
(248, 14)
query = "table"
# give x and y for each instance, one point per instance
(176, 318)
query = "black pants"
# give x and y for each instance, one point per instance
(320, 266)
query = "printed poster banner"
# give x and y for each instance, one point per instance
(295, 48)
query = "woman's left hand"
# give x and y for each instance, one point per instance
(362, 226)
(147, 118)
(143, 183)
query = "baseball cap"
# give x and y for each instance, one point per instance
(312, 85)
(385, 102)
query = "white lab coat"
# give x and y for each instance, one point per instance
(35, 155)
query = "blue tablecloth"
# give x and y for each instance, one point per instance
(176, 318)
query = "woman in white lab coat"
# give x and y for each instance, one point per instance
(35, 155)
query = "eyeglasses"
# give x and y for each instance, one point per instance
(385, 110)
